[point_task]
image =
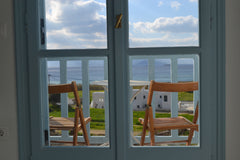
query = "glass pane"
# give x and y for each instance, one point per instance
(75, 24)
(98, 97)
(162, 70)
(91, 77)
(139, 69)
(53, 72)
(185, 99)
(163, 23)
(166, 106)
(185, 70)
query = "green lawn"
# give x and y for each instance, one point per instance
(98, 118)
(71, 95)
(185, 96)
(182, 96)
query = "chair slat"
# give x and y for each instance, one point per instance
(175, 87)
(62, 123)
(61, 88)
(154, 124)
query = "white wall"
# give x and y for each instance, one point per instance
(8, 109)
(232, 79)
(8, 147)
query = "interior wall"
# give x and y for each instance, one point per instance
(8, 108)
(232, 79)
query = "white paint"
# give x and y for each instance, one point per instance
(232, 79)
(8, 103)
(3, 30)
(139, 102)
(97, 100)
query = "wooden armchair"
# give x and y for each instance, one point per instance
(179, 122)
(75, 124)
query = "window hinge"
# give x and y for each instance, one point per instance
(42, 31)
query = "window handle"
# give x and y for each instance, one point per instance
(42, 31)
(119, 21)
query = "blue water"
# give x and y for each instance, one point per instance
(162, 73)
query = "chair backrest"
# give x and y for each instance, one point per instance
(65, 88)
(172, 87)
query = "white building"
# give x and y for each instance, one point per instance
(162, 100)
(97, 100)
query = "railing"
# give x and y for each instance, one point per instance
(174, 96)
(86, 97)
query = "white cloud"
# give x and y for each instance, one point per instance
(167, 40)
(76, 24)
(53, 11)
(193, 0)
(175, 4)
(160, 3)
(165, 32)
(82, 24)
(185, 24)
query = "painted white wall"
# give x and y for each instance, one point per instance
(8, 108)
(232, 79)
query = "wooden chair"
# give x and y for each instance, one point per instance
(63, 123)
(154, 124)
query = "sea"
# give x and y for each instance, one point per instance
(138, 71)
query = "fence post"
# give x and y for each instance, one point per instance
(64, 96)
(106, 103)
(174, 99)
(85, 92)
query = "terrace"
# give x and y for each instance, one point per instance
(89, 91)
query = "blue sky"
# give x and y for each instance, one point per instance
(80, 24)
(152, 23)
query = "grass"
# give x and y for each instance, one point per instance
(71, 95)
(98, 118)
(98, 115)
(182, 96)
(185, 96)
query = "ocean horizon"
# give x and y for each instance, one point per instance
(139, 71)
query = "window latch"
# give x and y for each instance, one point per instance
(46, 140)
(119, 21)
(42, 31)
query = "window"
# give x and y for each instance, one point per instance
(165, 99)
(90, 49)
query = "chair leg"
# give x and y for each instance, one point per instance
(85, 135)
(190, 136)
(144, 127)
(152, 137)
(151, 128)
(75, 134)
(143, 134)
(75, 130)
